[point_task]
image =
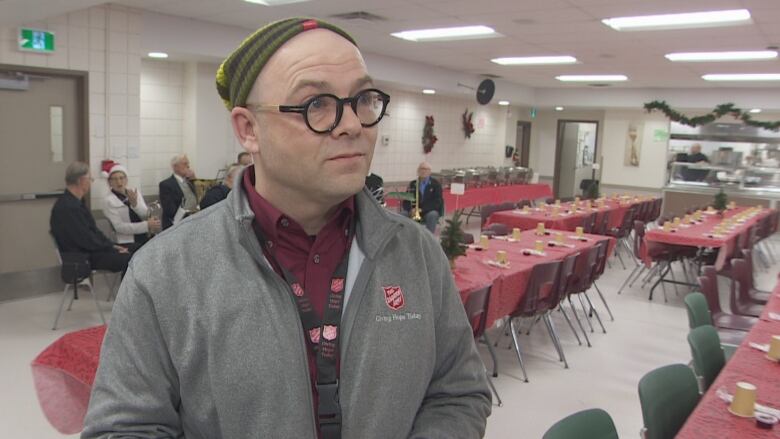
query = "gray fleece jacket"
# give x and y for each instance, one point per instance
(205, 341)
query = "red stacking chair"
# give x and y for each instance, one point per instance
(541, 291)
(741, 300)
(708, 282)
(622, 232)
(746, 280)
(476, 311)
(601, 265)
(589, 223)
(496, 229)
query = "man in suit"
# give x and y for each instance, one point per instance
(74, 228)
(219, 192)
(431, 200)
(178, 190)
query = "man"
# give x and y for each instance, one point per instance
(178, 191)
(244, 159)
(431, 199)
(696, 156)
(375, 185)
(212, 345)
(219, 192)
(74, 228)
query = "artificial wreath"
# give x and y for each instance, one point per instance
(428, 139)
(718, 112)
(468, 127)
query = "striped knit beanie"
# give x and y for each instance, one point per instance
(237, 74)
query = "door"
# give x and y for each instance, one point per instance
(523, 142)
(42, 132)
(574, 155)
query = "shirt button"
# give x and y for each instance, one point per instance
(285, 223)
(270, 244)
(316, 259)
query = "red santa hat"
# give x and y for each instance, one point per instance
(108, 167)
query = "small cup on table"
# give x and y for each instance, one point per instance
(539, 246)
(501, 257)
(483, 241)
(774, 348)
(540, 229)
(516, 234)
(579, 231)
(744, 402)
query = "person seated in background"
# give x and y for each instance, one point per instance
(178, 191)
(244, 159)
(431, 199)
(126, 209)
(375, 185)
(219, 192)
(697, 157)
(74, 228)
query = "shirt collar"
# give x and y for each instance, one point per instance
(270, 219)
(179, 178)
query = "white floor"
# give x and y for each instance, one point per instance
(644, 335)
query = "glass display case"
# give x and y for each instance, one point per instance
(762, 179)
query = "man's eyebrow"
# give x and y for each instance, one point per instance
(325, 86)
(363, 81)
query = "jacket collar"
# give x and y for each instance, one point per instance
(375, 224)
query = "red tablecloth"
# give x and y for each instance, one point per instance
(700, 235)
(710, 419)
(490, 195)
(472, 273)
(568, 217)
(63, 375)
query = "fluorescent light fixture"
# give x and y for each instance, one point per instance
(274, 2)
(742, 77)
(429, 91)
(503, 103)
(755, 110)
(722, 56)
(592, 78)
(534, 60)
(447, 33)
(558, 108)
(680, 21)
(160, 55)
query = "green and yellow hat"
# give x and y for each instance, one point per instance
(237, 74)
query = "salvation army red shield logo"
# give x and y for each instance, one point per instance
(314, 335)
(297, 290)
(337, 285)
(329, 332)
(394, 297)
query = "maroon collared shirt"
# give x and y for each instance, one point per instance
(312, 259)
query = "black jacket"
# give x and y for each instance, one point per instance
(430, 200)
(214, 195)
(74, 229)
(171, 198)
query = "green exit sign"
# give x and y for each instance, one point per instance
(35, 40)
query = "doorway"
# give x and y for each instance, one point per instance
(575, 152)
(43, 126)
(523, 142)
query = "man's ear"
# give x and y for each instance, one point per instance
(244, 128)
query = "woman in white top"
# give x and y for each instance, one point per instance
(126, 209)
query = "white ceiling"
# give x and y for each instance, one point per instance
(530, 27)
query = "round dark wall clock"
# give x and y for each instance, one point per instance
(485, 91)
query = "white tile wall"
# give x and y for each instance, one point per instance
(398, 161)
(161, 108)
(98, 39)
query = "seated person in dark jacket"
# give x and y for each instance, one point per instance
(75, 230)
(696, 156)
(244, 159)
(219, 192)
(431, 201)
(178, 191)
(375, 185)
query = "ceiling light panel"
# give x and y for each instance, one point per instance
(447, 34)
(722, 56)
(680, 21)
(534, 60)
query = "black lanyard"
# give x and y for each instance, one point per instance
(322, 333)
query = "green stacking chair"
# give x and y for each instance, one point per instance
(587, 424)
(707, 354)
(699, 315)
(667, 395)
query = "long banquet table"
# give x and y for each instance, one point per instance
(481, 196)
(701, 233)
(568, 216)
(710, 419)
(509, 284)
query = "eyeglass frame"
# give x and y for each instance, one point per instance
(304, 108)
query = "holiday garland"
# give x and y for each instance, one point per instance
(468, 127)
(718, 112)
(428, 139)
